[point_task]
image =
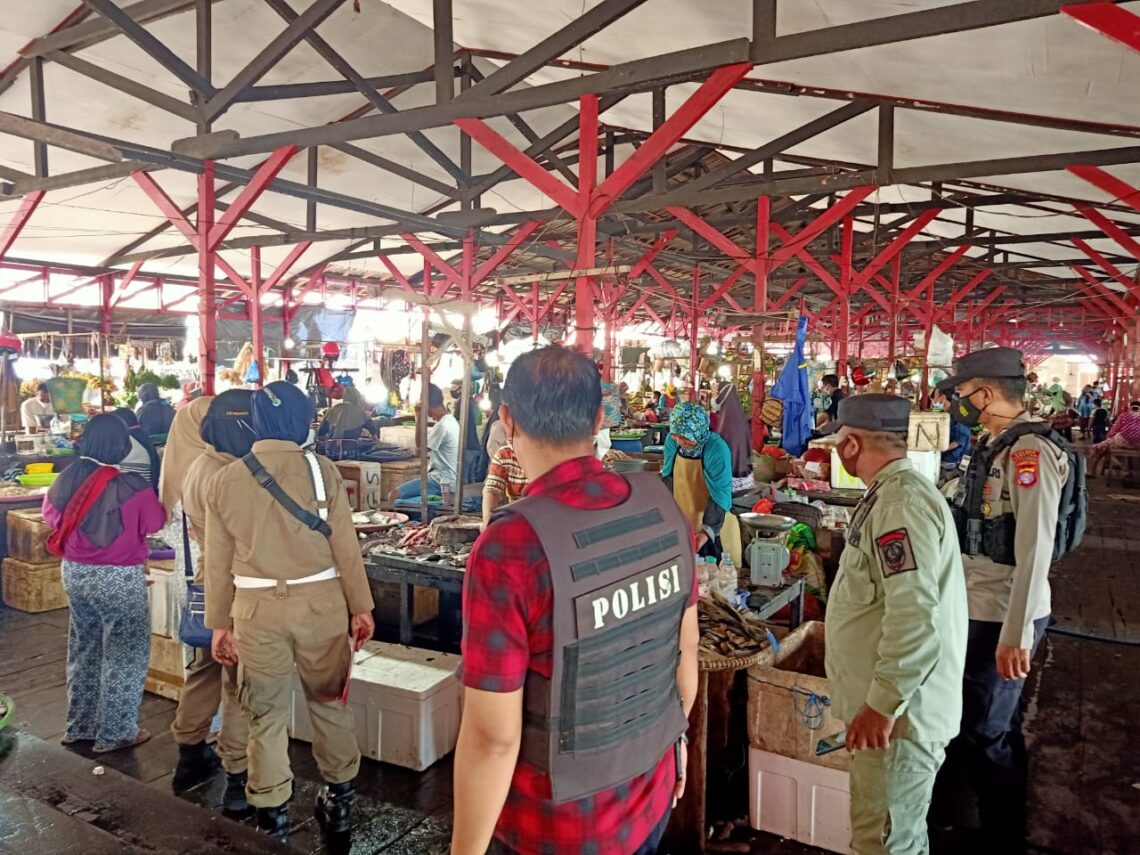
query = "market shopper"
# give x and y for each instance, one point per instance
(442, 450)
(697, 466)
(961, 437)
(896, 630)
(36, 413)
(226, 435)
(612, 791)
(1007, 556)
(143, 457)
(733, 427)
(285, 587)
(100, 518)
(505, 482)
(1124, 434)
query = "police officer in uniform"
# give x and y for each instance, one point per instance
(896, 630)
(1008, 555)
(285, 587)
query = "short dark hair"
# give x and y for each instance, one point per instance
(1134, 404)
(43, 387)
(1010, 388)
(554, 395)
(830, 380)
(435, 396)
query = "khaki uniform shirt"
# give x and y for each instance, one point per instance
(249, 533)
(1025, 480)
(896, 617)
(196, 496)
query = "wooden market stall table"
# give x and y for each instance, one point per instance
(714, 730)
(410, 573)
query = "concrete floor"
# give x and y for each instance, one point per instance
(1084, 714)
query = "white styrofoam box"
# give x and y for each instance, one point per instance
(929, 431)
(924, 462)
(406, 703)
(166, 599)
(798, 800)
(402, 435)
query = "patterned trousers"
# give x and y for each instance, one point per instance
(108, 648)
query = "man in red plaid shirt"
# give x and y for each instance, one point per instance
(551, 409)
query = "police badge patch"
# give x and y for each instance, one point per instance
(895, 552)
(1026, 461)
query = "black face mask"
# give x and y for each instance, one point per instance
(964, 412)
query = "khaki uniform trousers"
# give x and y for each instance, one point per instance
(275, 628)
(209, 683)
(890, 796)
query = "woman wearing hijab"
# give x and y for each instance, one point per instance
(101, 517)
(184, 445)
(733, 428)
(155, 414)
(698, 466)
(142, 459)
(286, 587)
(225, 435)
(344, 424)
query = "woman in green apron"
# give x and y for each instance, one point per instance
(698, 466)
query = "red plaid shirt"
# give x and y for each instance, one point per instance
(508, 607)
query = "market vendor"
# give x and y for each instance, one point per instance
(344, 424)
(37, 412)
(154, 413)
(442, 450)
(698, 467)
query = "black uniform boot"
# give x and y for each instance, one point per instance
(334, 807)
(196, 763)
(234, 802)
(274, 821)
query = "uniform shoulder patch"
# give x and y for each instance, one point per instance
(895, 552)
(1027, 465)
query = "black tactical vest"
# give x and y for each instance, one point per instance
(622, 578)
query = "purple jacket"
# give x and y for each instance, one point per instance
(142, 514)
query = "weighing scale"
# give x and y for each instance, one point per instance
(767, 555)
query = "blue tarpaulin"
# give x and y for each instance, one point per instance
(792, 389)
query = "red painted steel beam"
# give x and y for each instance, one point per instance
(433, 258)
(584, 291)
(166, 205)
(658, 143)
(250, 194)
(1106, 265)
(285, 266)
(783, 299)
(892, 249)
(1108, 19)
(504, 252)
(207, 286)
(527, 312)
(400, 278)
(20, 219)
(1097, 302)
(1126, 241)
(525, 167)
(977, 310)
(819, 225)
(651, 255)
(722, 289)
(1107, 293)
(1120, 191)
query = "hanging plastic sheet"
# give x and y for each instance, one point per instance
(792, 388)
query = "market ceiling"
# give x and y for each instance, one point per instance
(979, 150)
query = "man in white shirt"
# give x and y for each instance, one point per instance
(443, 452)
(35, 411)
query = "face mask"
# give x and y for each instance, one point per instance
(964, 412)
(849, 463)
(937, 408)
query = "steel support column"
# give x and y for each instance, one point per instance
(846, 274)
(256, 318)
(207, 286)
(584, 294)
(759, 307)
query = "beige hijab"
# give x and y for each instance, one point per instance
(183, 446)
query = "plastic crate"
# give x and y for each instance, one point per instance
(798, 800)
(406, 704)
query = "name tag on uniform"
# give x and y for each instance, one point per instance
(620, 603)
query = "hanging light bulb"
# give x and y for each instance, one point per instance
(289, 343)
(713, 349)
(724, 372)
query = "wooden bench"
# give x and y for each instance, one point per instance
(1123, 464)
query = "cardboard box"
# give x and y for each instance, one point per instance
(166, 671)
(929, 432)
(33, 587)
(787, 693)
(403, 436)
(365, 480)
(167, 594)
(799, 800)
(406, 704)
(394, 474)
(27, 537)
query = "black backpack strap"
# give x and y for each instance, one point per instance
(266, 480)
